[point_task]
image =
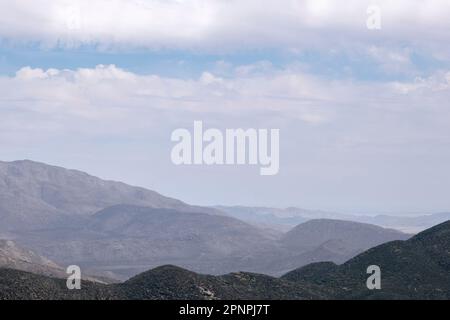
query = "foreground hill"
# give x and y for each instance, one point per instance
(171, 282)
(414, 269)
(20, 285)
(418, 268)
(163, 283)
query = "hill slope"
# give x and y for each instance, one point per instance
(414, 269)
(126, 240)
(20, 285)
(169, 282)
(35, 195)
(14, 257)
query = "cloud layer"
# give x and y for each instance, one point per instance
(371, 145)
(219, 25)
(111, 95)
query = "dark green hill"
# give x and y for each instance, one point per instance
(163, 283)
(414, 269)
(169, 282)
(20, 285)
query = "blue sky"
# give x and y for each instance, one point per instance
(182, 64)
(363, 114)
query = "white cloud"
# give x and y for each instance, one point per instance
(218, 25)
(112, 95)
(77, 98)
(340, 140)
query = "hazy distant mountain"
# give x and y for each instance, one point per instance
(127, 239)
(35, 195)
(326, 240)
(287, 218)
(410, 224)
(278, 219)
(354, 236)
(412, 269)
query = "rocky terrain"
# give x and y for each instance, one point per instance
(417, 268)
(15, 257)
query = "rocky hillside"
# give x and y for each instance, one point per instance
(417, 268)
(414, 269)
(15, 257)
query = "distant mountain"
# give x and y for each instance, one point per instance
(35, 195)
(412, 269)
(126, 240)
(276, 218)
(354, 236)
(410, 224)
(326, 240)
(284, 219)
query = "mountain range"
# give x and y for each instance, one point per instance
(284, 219)
(124, 240)
(114, 230)
(417, 268)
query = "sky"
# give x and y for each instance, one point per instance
(363, 113)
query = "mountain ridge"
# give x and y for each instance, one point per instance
(37, 195)
(411, 269)
(284, 219)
